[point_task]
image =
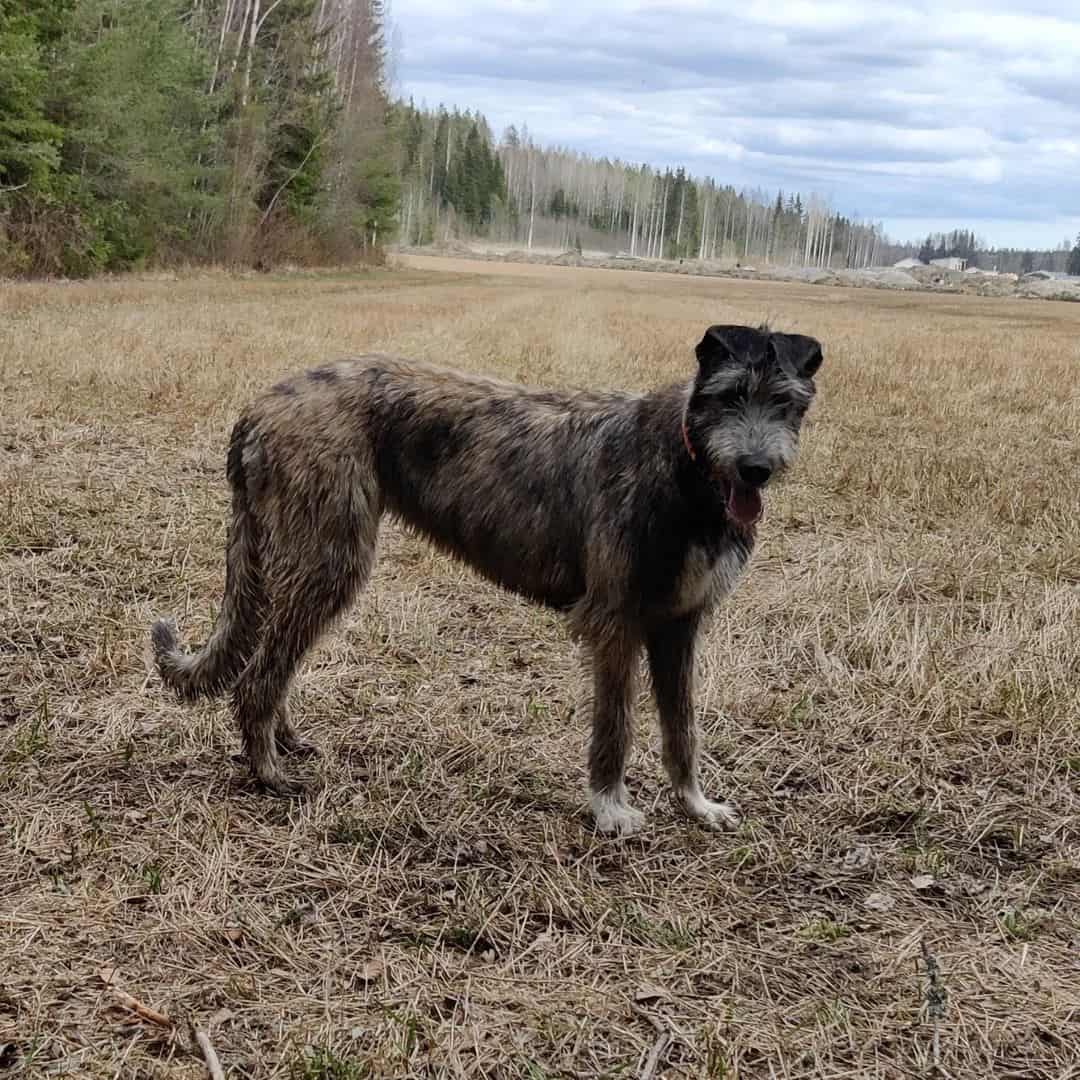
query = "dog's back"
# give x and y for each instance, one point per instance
(502, 476)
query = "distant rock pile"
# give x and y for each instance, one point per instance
(916, 278)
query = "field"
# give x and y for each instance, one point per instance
(893, 698)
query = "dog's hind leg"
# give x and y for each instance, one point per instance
(670, 648)
(614, 666)
(309, 584)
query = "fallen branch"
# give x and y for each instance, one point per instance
(664, 1040)
(213, 1065)
(935, 999)
(140, 1009)
(655, 1054)
(133, 1004)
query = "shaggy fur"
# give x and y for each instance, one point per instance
(633, 514)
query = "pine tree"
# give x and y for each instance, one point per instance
(1073, 266)
(136, 121)
(468, 182)
(29, 142)
(440, 152)
(301, 112)
(691, 223)
(412, 138)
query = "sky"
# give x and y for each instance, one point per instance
(925, 116)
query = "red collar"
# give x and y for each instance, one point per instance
(686, 441)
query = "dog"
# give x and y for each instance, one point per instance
(633, 514)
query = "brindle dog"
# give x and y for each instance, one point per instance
(632, 513)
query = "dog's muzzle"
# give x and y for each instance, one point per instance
(745, 503)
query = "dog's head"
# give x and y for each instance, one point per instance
(746, 406)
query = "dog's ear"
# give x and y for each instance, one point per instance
(798, 351)
(727, 345)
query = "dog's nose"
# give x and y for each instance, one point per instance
(754, 470)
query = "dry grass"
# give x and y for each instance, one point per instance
(892, 698)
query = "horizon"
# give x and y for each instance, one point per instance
(775, 110)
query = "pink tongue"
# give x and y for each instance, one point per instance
(744, 504)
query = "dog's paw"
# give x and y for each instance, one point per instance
(718, 816)
(291, 744)
(283, 788)
(613, 814)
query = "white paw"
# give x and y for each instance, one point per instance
(613, 814)
(718, 816)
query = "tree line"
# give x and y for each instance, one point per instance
(459, 182)
(964, 244)
(149, 131)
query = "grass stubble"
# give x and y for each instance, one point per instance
(891, 697)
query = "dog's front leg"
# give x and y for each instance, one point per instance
(670, 646)
(614, 666)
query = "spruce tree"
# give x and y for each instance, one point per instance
(1073, 266)
(29, 141)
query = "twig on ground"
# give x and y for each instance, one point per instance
(935, 998)
(664, 1039)
(213, 1065)
(133, 1004)
(658, 1050)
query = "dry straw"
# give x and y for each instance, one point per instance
(892, 699)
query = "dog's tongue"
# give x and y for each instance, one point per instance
(744, 504)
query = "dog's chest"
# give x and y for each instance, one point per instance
(707, 576)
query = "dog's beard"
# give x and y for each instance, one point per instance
(745, 504)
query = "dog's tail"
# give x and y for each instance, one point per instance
(213, 669)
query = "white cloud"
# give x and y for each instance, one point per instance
(906, 111)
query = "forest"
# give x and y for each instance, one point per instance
(137, 133)
(140, 132)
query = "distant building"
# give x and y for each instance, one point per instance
(908, 264)
(953, 263)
